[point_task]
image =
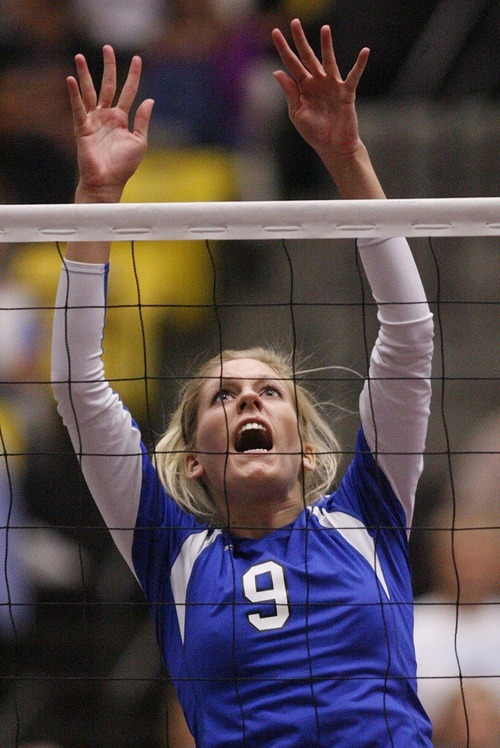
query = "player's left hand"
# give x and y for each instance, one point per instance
(321, 104)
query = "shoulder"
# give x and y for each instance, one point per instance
(365, 492)
(162, 526)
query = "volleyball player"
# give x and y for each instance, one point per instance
(283, 612)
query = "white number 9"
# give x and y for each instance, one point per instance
(276, 593)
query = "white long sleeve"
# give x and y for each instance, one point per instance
(105, 440)
(395, 401)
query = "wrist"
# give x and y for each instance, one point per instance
(353, 173)
(338, 161)
(86, 194)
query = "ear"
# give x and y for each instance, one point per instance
(308, 458)
(193, 467)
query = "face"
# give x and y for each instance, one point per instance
(247, 437)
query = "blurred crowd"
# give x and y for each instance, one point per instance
(69, 609)
(206, 64)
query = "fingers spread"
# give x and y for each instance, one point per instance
(327, 53)
(352, 80)
(305, 64)
(77, 106)
(131, 85)
(307, 55)
(87, 89)
(143, 117)
(289, 58)
(108, 84)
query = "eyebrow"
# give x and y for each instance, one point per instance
(261, 379)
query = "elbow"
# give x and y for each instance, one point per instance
(425, 335)
(418, 336)
(427, 338)
(60, 390)
(59, 381)
(428, 327)
(404, 341)
(421, 332)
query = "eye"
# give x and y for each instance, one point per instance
(220, 396)
(270, 390)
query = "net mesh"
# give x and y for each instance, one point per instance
(77, 637)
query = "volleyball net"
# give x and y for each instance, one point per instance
(192, 277)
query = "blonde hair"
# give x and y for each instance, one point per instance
(180, 436)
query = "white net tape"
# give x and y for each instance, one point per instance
(315, 219)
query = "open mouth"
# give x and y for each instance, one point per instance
(253, 437)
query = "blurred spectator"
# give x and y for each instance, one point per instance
(31, 557)
(209, 70)
(181, 74)
(38, 29)
(197, 70)
(451, 640)
(129, 25)
(18, 353)
(38, 41)
(481, 729)
(32, 150)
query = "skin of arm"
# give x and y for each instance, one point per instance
(321, 106)
(108, 151)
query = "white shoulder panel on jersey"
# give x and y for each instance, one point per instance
(356, 534)
(182, 568)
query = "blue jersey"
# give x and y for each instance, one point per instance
(301, 638)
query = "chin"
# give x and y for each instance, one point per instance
(264, 472)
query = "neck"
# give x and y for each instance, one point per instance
(256, 518)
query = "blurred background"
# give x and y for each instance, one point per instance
(78, 661)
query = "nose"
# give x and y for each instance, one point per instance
(249, 400)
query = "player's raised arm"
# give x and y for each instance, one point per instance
(104, 438)
(395, 401)
(108, 150)
(321, 105)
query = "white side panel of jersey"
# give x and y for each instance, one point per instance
(356, 534)
(182, 568)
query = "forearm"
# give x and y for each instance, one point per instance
(89, 252)
(92, 252)
(353, 174)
